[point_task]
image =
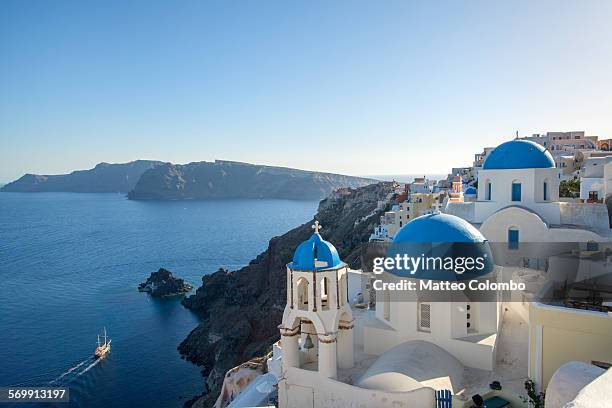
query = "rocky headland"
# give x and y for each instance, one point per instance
(104, 178)
(163, 284)
(240, 310)
(228, 179)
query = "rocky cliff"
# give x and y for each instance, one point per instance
(241, 310)
(225, 179)
(104, 178)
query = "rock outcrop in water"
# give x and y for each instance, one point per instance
(241, 310)
(104, 178)
(162, 283)
(226, 179)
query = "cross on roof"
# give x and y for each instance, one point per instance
(316, 227)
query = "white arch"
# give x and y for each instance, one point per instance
(302, 286)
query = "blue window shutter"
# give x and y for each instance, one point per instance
(516, 191)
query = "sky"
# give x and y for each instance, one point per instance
(354, 87)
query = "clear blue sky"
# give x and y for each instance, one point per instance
(354, 87)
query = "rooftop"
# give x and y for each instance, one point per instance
(519, 154)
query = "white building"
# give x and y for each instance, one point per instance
(518, 200)
(334, 354)
(593, 180)
(518, 203)
(580, 385)
(539, 138)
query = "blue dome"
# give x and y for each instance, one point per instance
(519, 154)
(438, 228)
(470, 191)
(446, 238)
(314, 254)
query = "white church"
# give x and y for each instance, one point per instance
(407, 350)
(399, 353)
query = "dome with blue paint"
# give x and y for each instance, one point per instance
(438, 228)
(470, 191)
(443, 243)
(315, 254)
(519, 154)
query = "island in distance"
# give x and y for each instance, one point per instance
(229, 179)
(153, 180)
(163, 284)
(104, 178)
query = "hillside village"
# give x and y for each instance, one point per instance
(345, 344)
(582, 163)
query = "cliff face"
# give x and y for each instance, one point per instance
(104, 178)
(224, 179)
(241, 310)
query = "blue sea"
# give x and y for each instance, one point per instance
(70, 265)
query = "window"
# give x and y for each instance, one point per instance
(545, 191)
(424, 317)
(513, 238)
(516, 191)
(592, 246)
(488, 190)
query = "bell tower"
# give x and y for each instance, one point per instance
(317, 327)
(456, 195)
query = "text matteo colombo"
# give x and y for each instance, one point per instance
(427, 284)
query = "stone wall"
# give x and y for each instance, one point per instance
(590, 216)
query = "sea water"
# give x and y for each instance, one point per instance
(70, 265)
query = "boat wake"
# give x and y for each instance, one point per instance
(70, 371)
(75, 372)
(89, 367)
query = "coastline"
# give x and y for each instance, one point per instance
(240, 310)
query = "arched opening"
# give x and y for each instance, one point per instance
(302, 292)
(545, 190)
(325, 296)
(592, 246)
(516, 191)
(488, 188)
(309, 345)
(342, 289)
(513, 238)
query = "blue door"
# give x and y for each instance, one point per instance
(513, 239)
(516, 191)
